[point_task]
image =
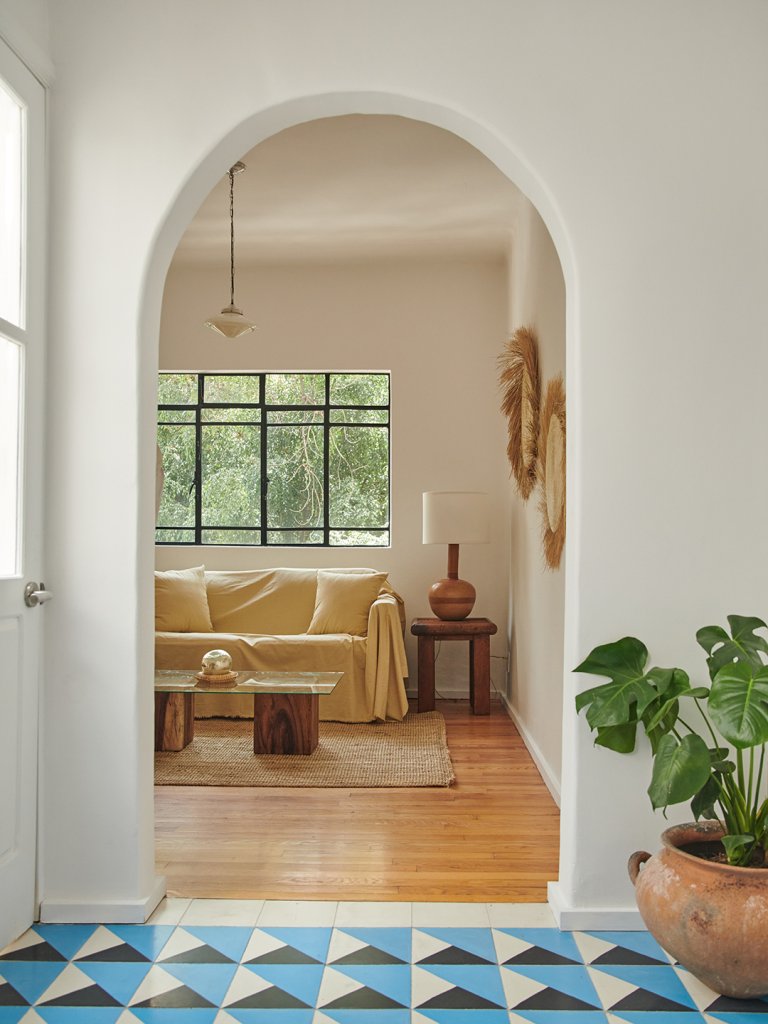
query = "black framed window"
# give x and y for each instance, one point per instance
(274, 458)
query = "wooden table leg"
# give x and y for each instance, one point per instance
(426, 673)
(286, 723)
(480, 674)
(174, 720)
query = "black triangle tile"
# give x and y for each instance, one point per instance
(724, 1004)
(457, 998)
(539, 957)
(649, 1002)
(272, 998)
(91, 995)
(40, 951)
(620, 956)
(283, 955)
(10, 997)
(122, 953)
(369, 955)
(552, 999)
(364, 999)
(199, 955)
(454, 955)
(179, 998)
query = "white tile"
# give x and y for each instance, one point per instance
(450, 915)
(521, 915)
(373, 915)
(298, 914)
(169, 911)
(212, 912)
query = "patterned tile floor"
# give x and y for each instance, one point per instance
(269, 962)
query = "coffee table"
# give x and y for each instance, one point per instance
(286, 712)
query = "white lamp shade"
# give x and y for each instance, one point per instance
(455, 517)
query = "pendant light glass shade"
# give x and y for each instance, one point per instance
(230, 322)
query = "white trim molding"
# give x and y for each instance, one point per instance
(548, 776)
(576, 919)
(103, 911)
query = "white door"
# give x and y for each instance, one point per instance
(22, 296)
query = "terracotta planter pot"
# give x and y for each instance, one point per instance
(711, 917)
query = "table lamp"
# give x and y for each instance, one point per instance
(453, 518)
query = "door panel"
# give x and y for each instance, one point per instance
(22, 298)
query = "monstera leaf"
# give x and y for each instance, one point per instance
(743, 646)
(625, 698)
(738, 704)
(680, 769)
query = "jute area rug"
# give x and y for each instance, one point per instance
(408, 753)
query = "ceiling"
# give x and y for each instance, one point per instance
(357, 187)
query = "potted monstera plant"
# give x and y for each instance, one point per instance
(704, 896)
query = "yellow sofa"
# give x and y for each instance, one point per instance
(274, 619)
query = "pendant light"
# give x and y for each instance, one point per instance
(230, 322)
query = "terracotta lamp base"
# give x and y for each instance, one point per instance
(452, 599)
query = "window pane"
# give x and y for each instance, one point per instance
(10, 391)
(359, 538)
(294, 536)
(359, 389)
(295, 473)
(359, 477)
(11, 207)
(175, 415)
(174, 536)
(359, 415)
(177, 389)
(231, 477)
(295, 389)
(295, 416)
(231, 537)
(177, 445)
(240, 389)
(231, 415)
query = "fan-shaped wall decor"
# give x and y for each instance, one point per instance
(520, 399)
(552, 472)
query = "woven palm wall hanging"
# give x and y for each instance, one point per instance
(551, 468)
(520, 385)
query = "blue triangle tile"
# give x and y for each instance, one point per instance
(582, 1017)
(149, 939)
(273, 1016)
(31, 980)
(299, 980)
(467, 1016)
(120, 980)
(656, 1017)
(375, 1016)
(475, 940)
(229, 940)
(663, 981)
(640, 942)
(312, 941)
(391, 980)
(209, 980)
(66, 938)
(551, 939)
(80, 1014)
(481, 981)
(12, 1014)
(572, 981)
(739, 1018)
(397, 941)
(193, 1015)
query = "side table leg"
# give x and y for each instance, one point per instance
(480, 675)
(426, 673)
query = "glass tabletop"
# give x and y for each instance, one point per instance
(186, 681)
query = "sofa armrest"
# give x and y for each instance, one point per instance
(387, 601)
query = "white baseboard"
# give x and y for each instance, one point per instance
(103, 911)
(548, 776)
(601, 919)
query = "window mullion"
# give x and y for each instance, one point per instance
(199, 460)
(263, 448)
(326, 458)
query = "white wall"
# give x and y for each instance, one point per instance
(438, 327)
(620, 121)
(537, 594)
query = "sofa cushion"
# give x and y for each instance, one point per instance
(181, 601)
(264, 601)
(344, 601)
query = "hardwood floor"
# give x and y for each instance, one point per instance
(492, 836)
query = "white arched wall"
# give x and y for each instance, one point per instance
(657, 275)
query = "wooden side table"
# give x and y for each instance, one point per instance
(478, 632)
